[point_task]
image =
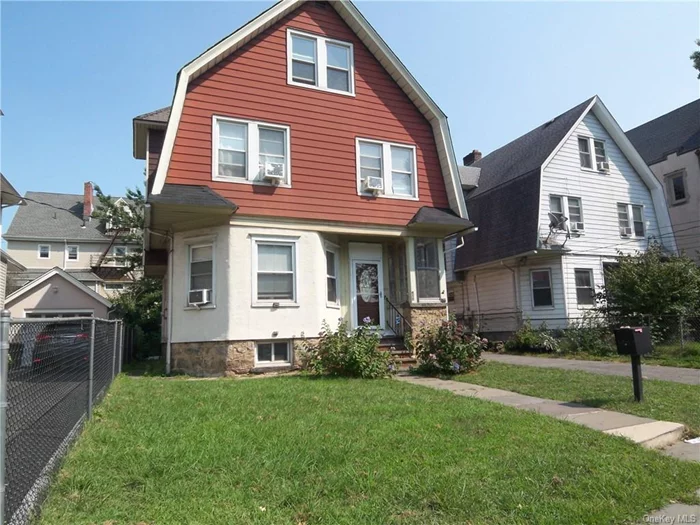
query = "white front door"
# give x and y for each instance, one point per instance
(367, 285)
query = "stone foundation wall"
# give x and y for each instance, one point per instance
(225, 358)
(423, 316)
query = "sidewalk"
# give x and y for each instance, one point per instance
(643, 431)
(689, 376)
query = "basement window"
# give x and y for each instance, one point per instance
(320, 63)
(272, 353)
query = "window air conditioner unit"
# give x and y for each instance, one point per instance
(199, 297)
(625, 232)
(604, 166)
(374, 184)
(274, 171)
(577, 226)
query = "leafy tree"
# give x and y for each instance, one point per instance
(651, 288)
(140, 304)
(124, 221)
(695, 57)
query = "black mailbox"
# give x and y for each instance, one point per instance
(633, 340)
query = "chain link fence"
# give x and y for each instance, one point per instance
(53, 372)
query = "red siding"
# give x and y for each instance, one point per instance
(252, 84)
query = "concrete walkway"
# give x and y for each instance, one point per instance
(689, 376)
(649, 433)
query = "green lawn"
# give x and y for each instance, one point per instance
(294, 450)
(662, 399)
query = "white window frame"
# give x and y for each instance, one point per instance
(630, 219)
(108, 285)
(290, 351)
(334, 249)
(191, 245)
(428, 299)
(38, 251)
(321, 63)
(532, 289)
(591, 150)
(668, 179)
(564, 200)
(252, 152)
(77, 252)
(576, 287)
(285, 241)
(115, 248)
(387, 168)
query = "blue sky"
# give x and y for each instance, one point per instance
(74, 74)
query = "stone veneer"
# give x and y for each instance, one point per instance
(423, 316)
(224, 358)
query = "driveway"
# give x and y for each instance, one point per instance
(689, 376)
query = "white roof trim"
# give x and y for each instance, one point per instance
(656, 190)
(45, 277)
(347, 10)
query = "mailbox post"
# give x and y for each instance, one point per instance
(634, 342)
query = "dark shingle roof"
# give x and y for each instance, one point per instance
(54, 216)
(505, 205)
(159, 115)
(674, 132)
(527, 153)
(186, 195)
(429, 217)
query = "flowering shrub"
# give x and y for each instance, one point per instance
(448, 349)
(529, 339)
(349, 353)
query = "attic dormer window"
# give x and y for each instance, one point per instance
(321, 63)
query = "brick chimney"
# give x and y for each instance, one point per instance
(88, 206)
(470, 159)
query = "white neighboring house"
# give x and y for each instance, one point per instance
(553, 208)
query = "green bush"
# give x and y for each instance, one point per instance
(448, 349)
(529, 339)
(346, 353)
(591, 335)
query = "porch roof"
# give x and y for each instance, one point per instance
(445, 220)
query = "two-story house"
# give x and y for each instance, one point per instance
(64, 252)
(301, 176)
(553, 208)
(670, 145)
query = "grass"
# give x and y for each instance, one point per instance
(663, 355)
(662, 399)
(294, 450)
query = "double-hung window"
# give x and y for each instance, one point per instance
(332, 297)
(201, 272)
(541, 281)
(318, 62)
(592, 154)
(274, 266)
(427, 269)
(44, 251)
(252, 152)
(630, 220)
(72, 253)
(675, 187)
(386, 169)
(569, 208)
(585, 294)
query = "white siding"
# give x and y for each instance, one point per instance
(599, 193)
(27, 254)
(554, 315)
(570, 263)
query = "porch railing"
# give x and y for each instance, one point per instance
(396, 322)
